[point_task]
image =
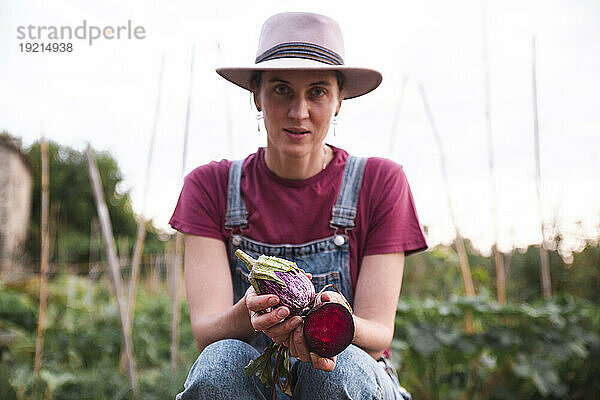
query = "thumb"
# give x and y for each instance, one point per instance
(315, 358)
(322, 363)
(325, 297)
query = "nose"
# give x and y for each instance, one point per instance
(298, 108)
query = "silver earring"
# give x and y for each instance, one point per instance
(259, 116)
(334, 123)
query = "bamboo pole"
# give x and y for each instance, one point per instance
(111, 255)
(463, 259)
(228, 117)
(500, 274)
(496, 255)
(133, 278)
(544, 261)
(397, 114)
(462, 254)
(188, 112)
(135, 269)
(176, 264)
(44, 258)
(141, 231)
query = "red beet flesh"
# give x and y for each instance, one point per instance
(328, 329)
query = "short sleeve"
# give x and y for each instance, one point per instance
(393, 223)
(201, 205)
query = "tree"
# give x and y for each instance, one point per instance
(72, 207)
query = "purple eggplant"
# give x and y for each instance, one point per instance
(283, 278)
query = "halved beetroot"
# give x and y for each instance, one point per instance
(328, 329)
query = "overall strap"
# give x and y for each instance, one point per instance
(236, 214)
(344, 210)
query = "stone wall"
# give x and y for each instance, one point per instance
(16, 184)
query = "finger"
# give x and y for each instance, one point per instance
(322, 298)
(309, 275)
(280, 332)
(300, 345)
(331, 297)
(292, 347)
(323, 363)
(264, 322)
(278, 340)
(284, 329)
(325, 297)
(255, 302)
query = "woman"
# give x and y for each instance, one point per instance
(346, 220)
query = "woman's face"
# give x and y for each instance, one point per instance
(297, 107)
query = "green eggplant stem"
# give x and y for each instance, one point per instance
(246, 259)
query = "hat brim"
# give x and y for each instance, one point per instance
(357, 81)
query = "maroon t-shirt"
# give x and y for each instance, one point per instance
(284, 211)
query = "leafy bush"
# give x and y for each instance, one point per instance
(436, 274)
(519, 351)
(525, 351)
(17, 309)
(73, 210)
(82, 344)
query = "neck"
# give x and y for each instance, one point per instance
(298, 168)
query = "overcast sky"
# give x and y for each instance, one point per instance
(105, 94)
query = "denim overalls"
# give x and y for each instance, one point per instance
(214, 375)
(327, 259)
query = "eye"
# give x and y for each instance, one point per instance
(318, 92)
(281, 89)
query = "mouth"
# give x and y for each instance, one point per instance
(296, 131)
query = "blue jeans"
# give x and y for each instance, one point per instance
(219, 373)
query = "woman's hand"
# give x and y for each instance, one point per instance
(333, 297)
(271, 320)
(298, 347)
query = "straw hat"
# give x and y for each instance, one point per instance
(303, 41)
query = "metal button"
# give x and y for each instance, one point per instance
(236, 240)
(339, 240)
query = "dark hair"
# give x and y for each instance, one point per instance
(256, 80)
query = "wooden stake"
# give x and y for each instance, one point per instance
(228, 117)
(133, 278)
(464, 265)
(544, 262)
(135, 269)
(465, 269)
(176, 264)
(496, 255)
(463, 259)
(396, 120)
(44, 258)
(500, 275)
(141, 231)
(188, 112)
(113, 262)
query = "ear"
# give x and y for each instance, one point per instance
(256, 100)
(339, 105)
